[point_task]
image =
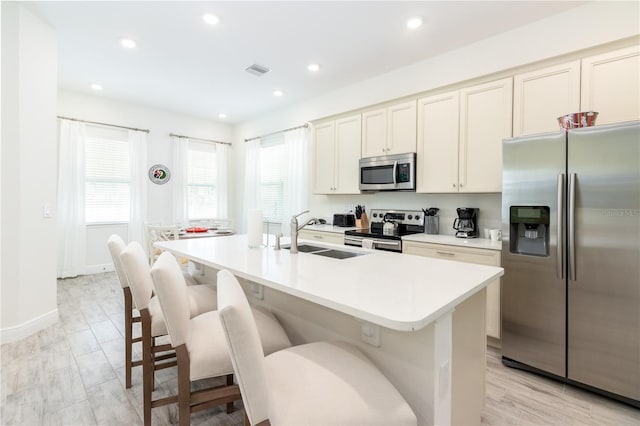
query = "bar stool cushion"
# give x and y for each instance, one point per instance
(304, 381)
(206, 337)
(319, 383)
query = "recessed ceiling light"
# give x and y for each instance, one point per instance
(278, 92)
(96, 86)
(128, 43)
(210, 18)
(222, 115)
(414, 23)
(313, 67)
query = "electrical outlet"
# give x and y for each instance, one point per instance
(370, 334)
(257, 290)
(444, 379)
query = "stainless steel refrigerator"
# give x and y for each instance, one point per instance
(571, 253)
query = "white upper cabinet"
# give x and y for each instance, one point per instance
(485, 120)
(541, 96)
(611, 85)
(323, 157)
(336, 151)
(374, 133)
(388, 131)
(401, 136)
(460, 137)
(348, 139)
(438, 137)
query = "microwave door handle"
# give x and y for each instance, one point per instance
(395, 171)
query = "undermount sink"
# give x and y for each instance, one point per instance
(306, 248)
(324, 251)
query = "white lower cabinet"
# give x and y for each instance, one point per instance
(469, 255)
(321, 236)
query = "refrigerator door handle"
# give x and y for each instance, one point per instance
(560, 227)
(572, 227)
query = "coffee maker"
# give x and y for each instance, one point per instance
(466, 225)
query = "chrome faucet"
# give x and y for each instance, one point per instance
(295, 228)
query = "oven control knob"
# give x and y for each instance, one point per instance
(375, 215)
(410, 217)
(417, 217)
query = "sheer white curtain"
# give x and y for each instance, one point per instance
(138, 189)
(179, 177)
(72, 240)
(222, 185)
(252, 179)
(296, 175)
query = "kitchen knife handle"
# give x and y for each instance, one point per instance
(560, 228)
(572, 227)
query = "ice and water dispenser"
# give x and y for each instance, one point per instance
(529, 230)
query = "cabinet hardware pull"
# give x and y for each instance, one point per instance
(445, 253)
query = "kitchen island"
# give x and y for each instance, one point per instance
(420, 320)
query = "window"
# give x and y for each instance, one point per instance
(107, 176)
(272, 179)
(202, 202)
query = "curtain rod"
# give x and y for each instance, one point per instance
(104, 124)
(198, 139)
(305, 125)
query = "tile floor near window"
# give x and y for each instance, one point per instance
(73, 373)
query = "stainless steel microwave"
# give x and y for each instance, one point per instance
(388, 173)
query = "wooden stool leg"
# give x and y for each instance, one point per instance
(147, 367)
(184, 387)
(128, 336)
(229, 383)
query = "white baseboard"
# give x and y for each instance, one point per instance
(98, 269)
(27, 328)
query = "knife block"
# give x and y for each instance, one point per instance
(364, 221)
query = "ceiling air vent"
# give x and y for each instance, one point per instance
(258, 70)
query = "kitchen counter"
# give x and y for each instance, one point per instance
(481, 243)
(394, 290)
(420, 320)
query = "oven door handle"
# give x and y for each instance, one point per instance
(394, 244)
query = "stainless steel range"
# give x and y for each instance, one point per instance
(387, 229)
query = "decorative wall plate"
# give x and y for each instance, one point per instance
(159, 174)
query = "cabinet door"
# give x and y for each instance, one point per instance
(611, 85)
(347, 173)
(438, 135)
(323, 158)
(541, 96)
(401, 126)
(374, 133)
(485, 120)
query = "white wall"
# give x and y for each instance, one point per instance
(583, 27)
(29, 156)
(160, 123)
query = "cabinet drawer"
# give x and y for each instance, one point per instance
(460, 254)
(325, 237)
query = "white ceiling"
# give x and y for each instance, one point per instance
(184, 65)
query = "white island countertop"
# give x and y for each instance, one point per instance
(393, 290)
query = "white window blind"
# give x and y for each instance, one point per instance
(107, 180)
(272, 180)
(201, 181)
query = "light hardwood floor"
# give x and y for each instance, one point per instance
(72, 374)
